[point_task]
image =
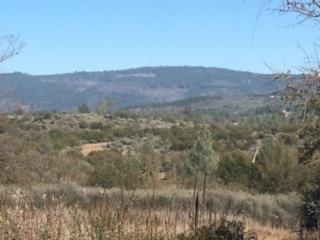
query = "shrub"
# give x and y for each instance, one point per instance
(94, 135)
(83, 125)
(96, 125)
(103, 226)
(310, 207)
(202, 156)
(234, 167)
(228, 230)
(110, 169)
(276, 169)
(83, 109)
(61, 139)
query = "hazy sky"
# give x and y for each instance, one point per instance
(74, 35)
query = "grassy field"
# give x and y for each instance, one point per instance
(123, 176)
(68, 211)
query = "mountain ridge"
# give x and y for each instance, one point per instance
(130, 87)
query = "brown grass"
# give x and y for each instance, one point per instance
(88, 148)
(105, 222)
(68, 211)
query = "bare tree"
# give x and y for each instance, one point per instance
(304, 92)
(307, 9)
(10, 45)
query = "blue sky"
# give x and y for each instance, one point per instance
(93, 35)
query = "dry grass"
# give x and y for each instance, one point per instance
(106, 222)
(88, 148)
(73, 212)
(268, 232)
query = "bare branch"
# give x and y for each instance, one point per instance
(307, 9)
(10, 45)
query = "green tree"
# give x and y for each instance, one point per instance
(105, 106)
(234, 168)
(151, 161)
(84, 109)
(101, 107)
(111, 169)
(276, 168)
(202, 157)
(110, 106)
(310, 207)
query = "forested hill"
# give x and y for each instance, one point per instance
(133, 87)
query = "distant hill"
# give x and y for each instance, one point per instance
(218, 106)
(128, 88)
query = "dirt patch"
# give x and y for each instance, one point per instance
(93, 147)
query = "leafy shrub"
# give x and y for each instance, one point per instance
(83, 109)
(202, 156)
(310, 207)
(103, 226)
(276, 169)
(110, 169)
(95, 135)
(234, 167)
(96, 125)
(83, 125)
(62, 139)
(47, 115)
(228, 230)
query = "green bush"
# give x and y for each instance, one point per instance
(310, 207)
(83, 109)
(96, 125)
(227, 230)
(94, 136)
(62, 139)
(111, 169)
(276, 169)
(83, 125)
(234, 167)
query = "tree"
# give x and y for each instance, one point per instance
(304, 92)
(110, 106)
(306, 9)
(84, 109)
(234, 168)
(10, 45)
(151, 161)
(310, 207)
(104, 107)
(202, 157)
(111, 169)
(101, 107)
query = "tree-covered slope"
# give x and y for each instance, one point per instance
(133, 87)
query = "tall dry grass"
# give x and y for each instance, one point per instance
(68, 211)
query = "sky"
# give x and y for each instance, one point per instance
(94, 35)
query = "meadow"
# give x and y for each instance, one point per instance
(68, 211)
(124, 176)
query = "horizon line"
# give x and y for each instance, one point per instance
(136, 68)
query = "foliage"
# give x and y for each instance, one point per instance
(277, 168)
(202, 156)
(43, 147)
(111, 169)
(234, 168)
(168, 83)
(310, 207)
(83, 108)
(227, 230)
(62, 139)
(101, 107)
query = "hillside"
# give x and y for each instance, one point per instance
(219, 106)
(70, 163)
(128, 88)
